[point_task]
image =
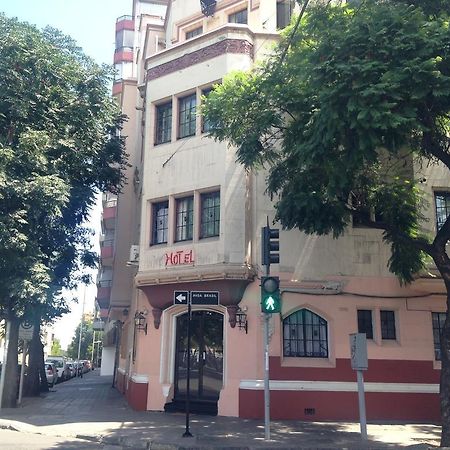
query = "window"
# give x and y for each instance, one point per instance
(238, 17)
(206, 124)
(365, 322)
(210, 215)
(163, 123)
(160, 222)
(387, 325)
(442, 207)
(184, 219)
(305, 335)
(438, 325)
(284, 13)
(186, 120)
(193, 33)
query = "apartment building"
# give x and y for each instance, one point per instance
(189, 220)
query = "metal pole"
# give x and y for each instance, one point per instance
(93, 346)
(187, 432)
(81, 327)
(22, 370)
(4, 359)
(266, 379)
(362, 405)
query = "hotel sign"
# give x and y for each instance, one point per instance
(180, 257)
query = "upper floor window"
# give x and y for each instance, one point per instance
(163, 123)
(438, 325)
(195, 32)
(238, 17)
(206, 124)
(305, 335)
(160, 222)
(187, 116)
(387, 319)
(210, 215)
(184, 218)
(284, 13)
(442, 200)
(365, 322)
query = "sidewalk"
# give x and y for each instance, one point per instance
(89, 408)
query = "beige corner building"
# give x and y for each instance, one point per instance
(189, 221)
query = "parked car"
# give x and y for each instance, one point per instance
(61, 365)
(73, 370)
(52, 373)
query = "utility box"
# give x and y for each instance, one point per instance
(358, 351)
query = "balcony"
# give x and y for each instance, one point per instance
(107, 252)
(123, 54)
(124, 23)
(109, 216)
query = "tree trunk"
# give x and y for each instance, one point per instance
(34, 380)
(9, 398)
(44, 384)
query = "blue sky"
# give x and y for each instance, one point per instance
(92, 24)
(89, 22)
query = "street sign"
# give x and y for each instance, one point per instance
(26, 331)
(358, 351)
(204, 297)
(180, 297)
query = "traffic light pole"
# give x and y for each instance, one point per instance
(266, 372)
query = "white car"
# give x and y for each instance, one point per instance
(52, 373)
(61, 366)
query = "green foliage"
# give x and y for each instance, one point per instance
(331, 113)
(86, 341)
(56, 348)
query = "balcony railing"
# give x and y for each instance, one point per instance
(125, 17)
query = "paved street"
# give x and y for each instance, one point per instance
(89, 413)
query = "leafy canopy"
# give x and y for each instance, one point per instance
(339, 115)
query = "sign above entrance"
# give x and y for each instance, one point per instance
(180, 297)
(204, 298)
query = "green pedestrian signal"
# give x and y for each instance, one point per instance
(270, 295)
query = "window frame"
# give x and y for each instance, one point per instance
(184, 231)
(193, 33)
(388, 325)
(303, 325)
(156, 207)
(233, 17)
(364, 322)
(206, 125)
(440, 317)
(187, 127)
(163, 124)
(445, 195)
(204, 225)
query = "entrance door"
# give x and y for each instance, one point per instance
(206, 358)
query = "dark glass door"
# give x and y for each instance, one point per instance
(206, 356)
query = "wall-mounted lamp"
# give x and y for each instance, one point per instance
(140, 322)
(125, 312)
(208, 7)
(241, 320)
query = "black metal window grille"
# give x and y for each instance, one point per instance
(163, 123)
(206, 124)
(184, 219)
(365, 322)
(210, 215)
(305, 335)
(438, 325)
(387, 319)
(442, 200)
(238, 17)
(160, 222)
(187, 115)
(194, 32)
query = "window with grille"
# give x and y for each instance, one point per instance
(387, 319)
(186, 121)
(305, 334)
(163, 123)
(438, 325)
(238, 17)
(442, 200)
(160, 222)
(365, 322)
(184, 219)
(206, 124)
(210, 215)
(284, 13)
(193, 33)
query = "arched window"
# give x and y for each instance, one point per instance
(305, 335)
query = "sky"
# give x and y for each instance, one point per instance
(92, 24)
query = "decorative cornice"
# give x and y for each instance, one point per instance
(237, 46)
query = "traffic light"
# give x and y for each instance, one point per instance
(270, 295)
(270, 246)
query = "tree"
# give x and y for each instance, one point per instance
(59, 146)
(56, 348)
(351, 102)
(86, 341)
